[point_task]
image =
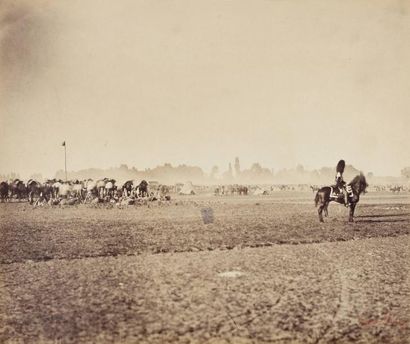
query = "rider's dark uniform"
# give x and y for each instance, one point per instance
(340, 183)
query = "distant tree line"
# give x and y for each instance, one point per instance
(255, 174)
(234, 174)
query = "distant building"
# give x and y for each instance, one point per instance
(237, 167)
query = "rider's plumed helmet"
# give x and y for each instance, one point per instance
(340, 166)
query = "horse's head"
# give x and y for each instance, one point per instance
(363, 183)
(359, 183)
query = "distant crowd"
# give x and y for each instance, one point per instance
(53, 191)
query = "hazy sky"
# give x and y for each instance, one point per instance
(199, 82)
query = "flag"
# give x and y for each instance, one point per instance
(63, 144)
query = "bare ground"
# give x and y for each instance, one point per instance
(90, 275)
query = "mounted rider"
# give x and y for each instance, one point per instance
(340, 183)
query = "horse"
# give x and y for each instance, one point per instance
(46, 191)
(101, 187)
(395, 188)
(42, 192)
(323, 197)
(78, 190)
(4, 191)
(65, 189)
(127, 188)
(33, 189)
(143, 189)
(242, 190)
(109, 188)
(18, 189)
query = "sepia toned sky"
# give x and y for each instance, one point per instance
(199, 82)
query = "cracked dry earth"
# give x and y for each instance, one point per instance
(264, 271)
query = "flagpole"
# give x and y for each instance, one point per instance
(65, 159)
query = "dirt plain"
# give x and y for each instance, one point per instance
(262, 270)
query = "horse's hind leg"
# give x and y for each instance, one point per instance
(319, 211)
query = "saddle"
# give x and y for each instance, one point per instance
(336, 192)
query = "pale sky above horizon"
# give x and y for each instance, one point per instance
(200, 82)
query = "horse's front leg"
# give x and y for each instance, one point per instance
(325, 209)
(351, 212)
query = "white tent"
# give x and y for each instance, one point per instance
(260, 191)
(187, 189)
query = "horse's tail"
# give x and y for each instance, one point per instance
(317, 198)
